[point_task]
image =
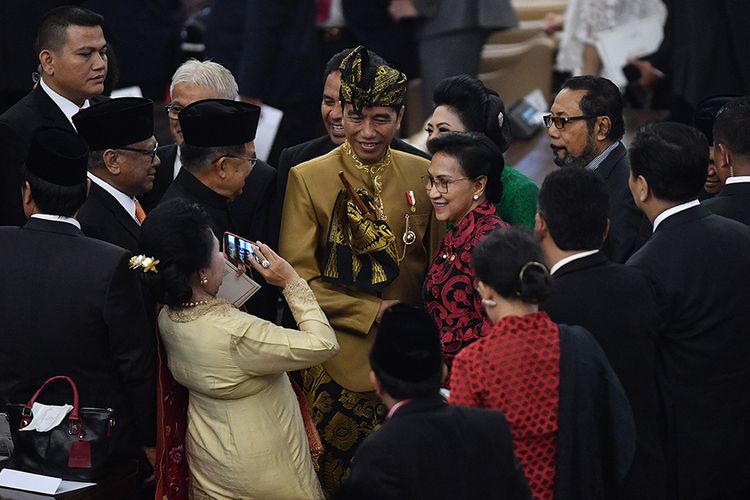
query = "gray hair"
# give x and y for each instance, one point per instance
(208, 74)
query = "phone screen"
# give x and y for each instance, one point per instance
(239, 249)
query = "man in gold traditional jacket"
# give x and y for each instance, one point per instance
(360, 256)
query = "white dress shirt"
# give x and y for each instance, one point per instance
(57, 218)
(68, 108)
(571, 258)
(674, 210)
(738, 179)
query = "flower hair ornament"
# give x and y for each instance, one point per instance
(143, 263)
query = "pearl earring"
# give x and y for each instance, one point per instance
(475, 197)
(488, 303)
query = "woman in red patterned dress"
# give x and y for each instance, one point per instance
(573, 434)
(463, 182)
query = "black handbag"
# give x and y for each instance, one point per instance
(76, 449)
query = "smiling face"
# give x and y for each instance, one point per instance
(574, 145)
(458, 201)
(371, 131)
(330, 108)
(77, 70)
(444, 119)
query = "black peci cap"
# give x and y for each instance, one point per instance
(58, 156)
(116, 123)
(407, 346)
(219, 122)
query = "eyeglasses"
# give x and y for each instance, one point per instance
(173, 110)
(251, 160)
(560, 121)
(441, 184)
(151, 152)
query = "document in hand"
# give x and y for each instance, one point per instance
(634, 39)
(236, 289)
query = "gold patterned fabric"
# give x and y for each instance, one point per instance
(343, 418)
(361, 253)
(362, 85)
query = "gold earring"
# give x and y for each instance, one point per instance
(204, 281)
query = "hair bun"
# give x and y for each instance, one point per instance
(534, 282)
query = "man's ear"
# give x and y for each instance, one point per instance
(540, 226)
(220, 167)
(603, 126)
(46, 62)
(722, 156)
(642, 189)
(376, 383)
(111, 160)
(399, 118)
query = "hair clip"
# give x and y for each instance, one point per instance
(146, 264)
(530, 264)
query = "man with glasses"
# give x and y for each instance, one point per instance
(122, 166)
(585, 127)
(218, 154)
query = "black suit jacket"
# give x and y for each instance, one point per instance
(17, 125)
(103, 218)
(246, 216)
(628, 227)
(430, 450)
(733, 202)
(71, 306)
(615, 303)
(699, 264)
(291, 157)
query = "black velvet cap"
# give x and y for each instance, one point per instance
(706, 111)
(219, 122)
(115, 123)
(58, 156)
(407, 346)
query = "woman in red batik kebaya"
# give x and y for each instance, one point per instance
(516, 368)
(463, 182)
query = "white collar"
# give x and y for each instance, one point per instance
(126, 201)
(57, 218)
(177, 164)
(671, 211)
(738, 179)
(68, 107)
(571, 258)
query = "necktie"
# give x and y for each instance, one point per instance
(139, 213)
(323, 11)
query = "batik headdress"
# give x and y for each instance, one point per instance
(363, 84)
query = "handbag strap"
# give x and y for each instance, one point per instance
(74, 413)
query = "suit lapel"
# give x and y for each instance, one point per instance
(47, 109)
(606, 166)
(118, 212)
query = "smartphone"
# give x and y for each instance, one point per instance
(239, 249)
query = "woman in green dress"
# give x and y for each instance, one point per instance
(464, 104)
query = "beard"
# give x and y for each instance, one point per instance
(580, 161)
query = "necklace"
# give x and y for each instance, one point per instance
(375, 171)
(196, 303)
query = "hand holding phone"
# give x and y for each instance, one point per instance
(239, 249)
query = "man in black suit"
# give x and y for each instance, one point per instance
(731, 152)
(585, 127)
(699, 265)
(71, 306)
(331, 112)
(426, 448)
(193, 81)
(612, 301)
(73, 61)
(122, 165)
